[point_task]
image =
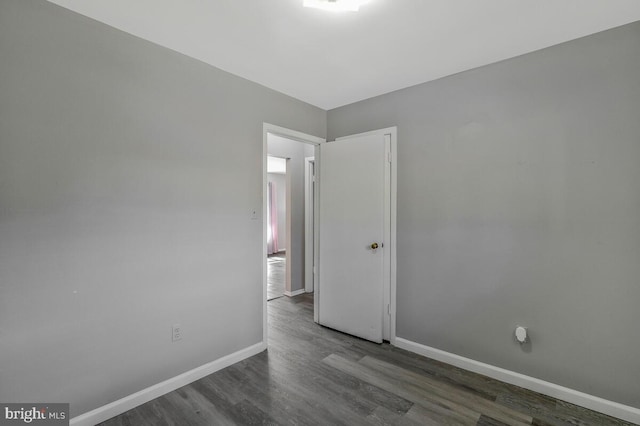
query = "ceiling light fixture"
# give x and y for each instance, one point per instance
(335, 5)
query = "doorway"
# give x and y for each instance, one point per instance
(297, 283)
(276, 226)
(294, 148)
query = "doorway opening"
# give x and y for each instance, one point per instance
(357, 181)
(283, 194)
(289, 236)
(276, 224)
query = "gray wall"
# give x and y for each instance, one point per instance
(295, 152)
(518, 203)
(128, 173)
(280, 182)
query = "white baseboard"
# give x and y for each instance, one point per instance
(625, 412)
(127, 403)
(294, 293)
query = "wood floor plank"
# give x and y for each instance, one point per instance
(538, 422)
(573, 414)
(488, 421)
(302, 389)
(225, 386)
(543, 409)
(283, 406)
(481, 385)
(449, 392)
(407, 391)
(248, 414)
(204, 412)
(271, 393)
(155, 412)
(549, 411)
(382, 417)
(430, 413)
(353, 390)
(419, 415)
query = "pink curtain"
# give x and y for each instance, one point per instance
(272, 219)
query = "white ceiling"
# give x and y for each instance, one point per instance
(332, 59)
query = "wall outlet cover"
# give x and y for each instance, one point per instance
(176, 333)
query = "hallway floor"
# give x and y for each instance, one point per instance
(276, 271)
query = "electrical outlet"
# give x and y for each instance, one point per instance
(254, 214)
(176, 333)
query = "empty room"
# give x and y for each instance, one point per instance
(455, 226)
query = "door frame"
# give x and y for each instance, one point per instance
(300, 137)
(391, 201)
(309, 215)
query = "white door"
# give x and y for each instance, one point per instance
(352, 224)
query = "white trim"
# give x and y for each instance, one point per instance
(265, 182)
(386, 239)
(309, 166)
(288, 269)
(393, 131)
(127, 403)
(300, 137)
(291, 134)
(294, 292)
(316, 234)
(615, 409)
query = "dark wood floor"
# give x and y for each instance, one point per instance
(311, 375)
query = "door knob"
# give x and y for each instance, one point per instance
(374, 246)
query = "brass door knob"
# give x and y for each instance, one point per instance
(374, 246)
